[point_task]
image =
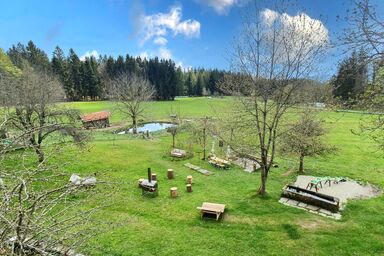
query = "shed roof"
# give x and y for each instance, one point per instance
(95, 116)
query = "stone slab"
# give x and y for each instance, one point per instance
(325, 212)
(310, 208)
(304, 205)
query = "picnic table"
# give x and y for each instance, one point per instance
(218, 162)
(317, 181)
(212, 208)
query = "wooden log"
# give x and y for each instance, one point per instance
(189, 188)
(170, 174)
(154, 177)
(189, 179)
(310, 197)
(174, 192)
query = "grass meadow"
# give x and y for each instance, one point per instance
(251, 225)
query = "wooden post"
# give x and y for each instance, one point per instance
(189, 179)
(189, 188)
(154, 177)
(174, 193)
(149, 175)
(170, 174)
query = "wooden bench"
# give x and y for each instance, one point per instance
(212, 208)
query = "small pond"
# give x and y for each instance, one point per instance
(151, 127)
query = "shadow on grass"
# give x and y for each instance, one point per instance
(292, 231)
(255, 195)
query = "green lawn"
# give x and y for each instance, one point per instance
(251, 225)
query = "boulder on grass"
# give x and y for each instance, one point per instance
(76, 180)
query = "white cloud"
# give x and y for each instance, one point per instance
(160, 40)
(158, 25)
(89, 54)
(144, 55)
(222, 6)
(299, 26)
(269, 16)
(164, 53)
(180, 65)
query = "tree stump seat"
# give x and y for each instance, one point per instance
(170, 174)
(174, 192)
(189, 179)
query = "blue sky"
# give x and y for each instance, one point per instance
(194, 33)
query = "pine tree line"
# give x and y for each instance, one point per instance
(88, 79)
(352, 76)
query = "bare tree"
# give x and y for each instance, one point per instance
(274, 52)
(176, 120)
(372, 100)
(305, 138)
(200, 130)
(131, 92)
(41, 212)
(41, 219)
(30, 102)
(365, 30)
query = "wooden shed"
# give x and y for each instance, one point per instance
(96, 119)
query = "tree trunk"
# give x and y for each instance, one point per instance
(204, 144)
(301, 164)
(134, 124)
(173, 140)
(39, 152)
(263, 181)
(37, 147)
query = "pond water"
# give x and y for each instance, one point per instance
(151, 127)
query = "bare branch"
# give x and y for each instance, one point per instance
(130, 92)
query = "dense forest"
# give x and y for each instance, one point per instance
(88, 79)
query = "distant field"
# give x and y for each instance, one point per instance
(251, 225)
(158, 110)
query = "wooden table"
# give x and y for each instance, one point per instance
(219, 162)
(212, 208)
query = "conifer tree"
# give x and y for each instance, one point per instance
(75, 73)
